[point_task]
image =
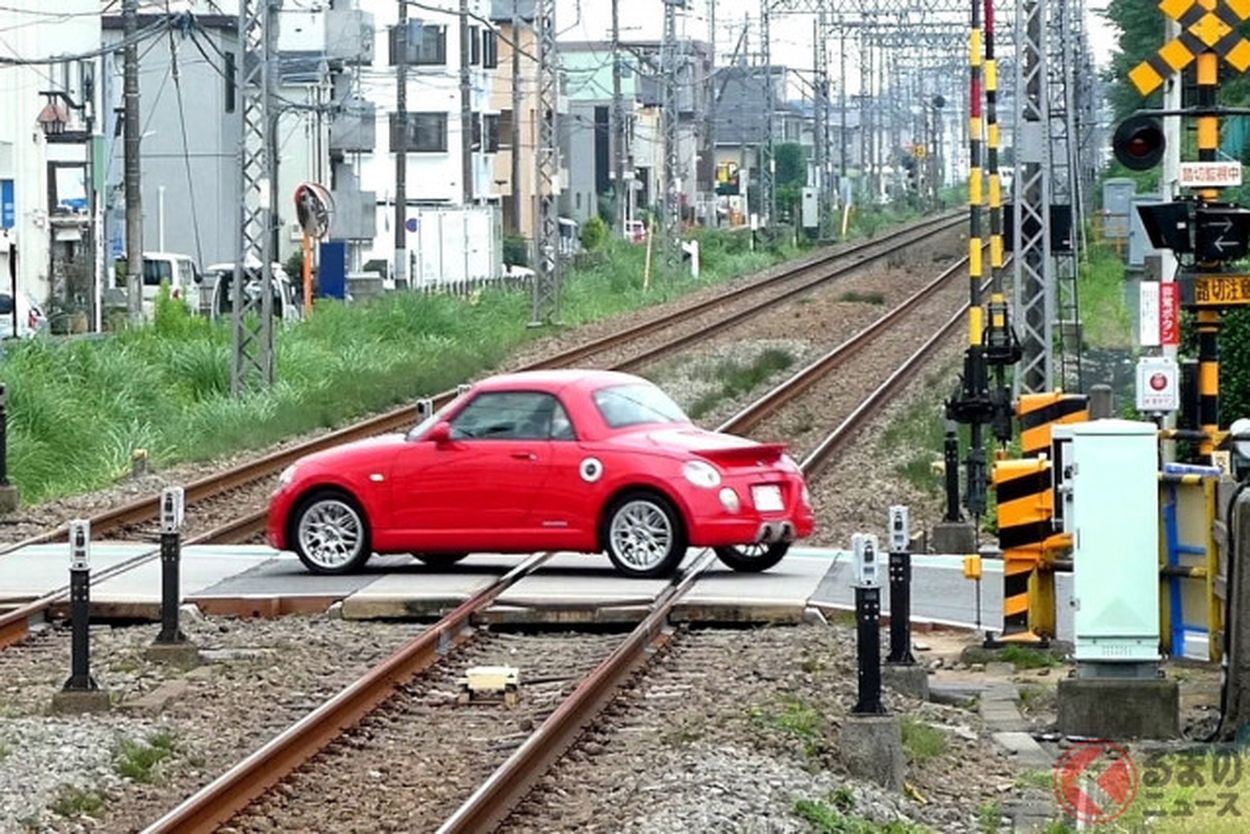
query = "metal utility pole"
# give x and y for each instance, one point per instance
(1033, 267)
(767, 175)
(843, 138)
(252, 290)
(466, 108)
(516, 117)
(821, 111)
(134, 193)
(401, 146)
(546, 299)
(669, 68)
(618, 124)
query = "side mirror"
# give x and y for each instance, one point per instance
(440, 434)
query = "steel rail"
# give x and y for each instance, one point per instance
(495, 799)
(809, 375)
(15, 623)
(231, 792)
(512, 780)
(816, 460)
(143, 510)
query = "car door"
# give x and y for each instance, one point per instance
(477, 490)
(565, 508)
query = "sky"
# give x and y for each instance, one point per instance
(791, 41)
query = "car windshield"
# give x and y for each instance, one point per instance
(634, 404)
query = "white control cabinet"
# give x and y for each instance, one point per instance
(1115, 527)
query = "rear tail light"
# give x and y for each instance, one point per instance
(32, 320)
(177, 293)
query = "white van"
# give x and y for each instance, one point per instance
(179, 271)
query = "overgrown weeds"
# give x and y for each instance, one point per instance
(138, 760)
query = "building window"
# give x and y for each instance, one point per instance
(427, 132)
(490, 129)
(475, 46)
(504, 129)
(427, 45)
(490, 49)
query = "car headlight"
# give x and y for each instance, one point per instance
(807, 497)
(286, 475)
(701, 474)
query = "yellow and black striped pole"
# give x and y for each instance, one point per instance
(998, 306)
(975, 197)
(1208, 320)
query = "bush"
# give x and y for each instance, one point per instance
(516, 250)
(594, 233)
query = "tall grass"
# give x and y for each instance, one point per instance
(78, 410)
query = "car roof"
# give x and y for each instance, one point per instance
(559, 379)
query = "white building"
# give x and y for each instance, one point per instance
(49, 234)
(435, 167)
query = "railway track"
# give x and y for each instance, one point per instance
(508, 784)
(138, 517)
(14, 624)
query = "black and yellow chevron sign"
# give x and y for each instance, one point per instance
(1204, 25)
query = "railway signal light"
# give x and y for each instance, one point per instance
(1139, 143)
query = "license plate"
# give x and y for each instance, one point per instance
(767, 498)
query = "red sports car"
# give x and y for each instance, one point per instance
(586, 461)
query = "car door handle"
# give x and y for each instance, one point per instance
(525, 456)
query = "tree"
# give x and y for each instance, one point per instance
(791, 161)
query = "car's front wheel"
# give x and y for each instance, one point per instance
(644, 535)
(439, 560)
(753, 558)
(330, 533)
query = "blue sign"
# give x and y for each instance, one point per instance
(8, 210)
(411, 224)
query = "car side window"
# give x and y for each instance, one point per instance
(561, 425)
(506, 415)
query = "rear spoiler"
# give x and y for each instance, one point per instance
(760, 453)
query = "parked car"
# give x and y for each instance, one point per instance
(178, 271)
(635, 231)
(575, 460)
(287, 303)
(27, 315)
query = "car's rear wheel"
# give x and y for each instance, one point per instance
(330, 533)
(644, 535)
(439, 560)
(753, 558)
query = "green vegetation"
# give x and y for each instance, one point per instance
(5, 751)
(1022, 657)
(1040, 779)
(1035, 698)
(829, 816)
(989, 817)
(137, 760)
(857, 297)
(76, 802)
(737, 378)
(797, 718)
(1101, 292)
(594, 233)
(921, 742)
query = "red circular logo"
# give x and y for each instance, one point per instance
(1159, 381)
(1095, 781)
